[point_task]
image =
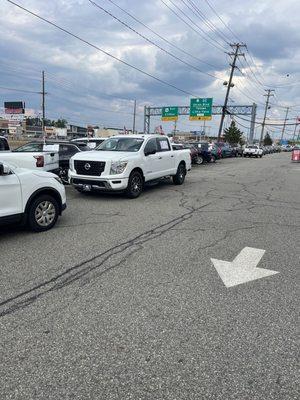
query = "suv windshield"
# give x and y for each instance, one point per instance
(121, 144)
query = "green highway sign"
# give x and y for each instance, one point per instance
(201, 109)
(169, 114)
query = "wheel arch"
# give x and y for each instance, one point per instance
(42, 191)
(138, 169)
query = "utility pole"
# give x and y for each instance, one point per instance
(134, 116)
(296, 125)
(43, 103)
(284, 124)
(268, 95)
(175, 127)
(235, 55)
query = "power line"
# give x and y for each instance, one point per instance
(19, 90)
(101, 50)
(221, 19)
(195, 10)
(151, 42)
(217, 46)
(160, 36)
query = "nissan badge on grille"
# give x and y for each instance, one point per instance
(87, 166)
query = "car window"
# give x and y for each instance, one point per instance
(151, 146)
(163, 144)
(30, 148)
(67, 149)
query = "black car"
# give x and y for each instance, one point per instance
(65, 152)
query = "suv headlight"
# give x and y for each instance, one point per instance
(118, 167)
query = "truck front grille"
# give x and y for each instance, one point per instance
(91, 168)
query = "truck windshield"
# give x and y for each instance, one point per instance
(121, 144)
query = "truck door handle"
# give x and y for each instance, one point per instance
(172, 156)
(159, 158)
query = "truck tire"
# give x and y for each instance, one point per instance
(179, 178)
(135, 185)
(42, 213)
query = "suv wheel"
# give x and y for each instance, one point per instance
(43, 213)
(179, 178)
(135, 185)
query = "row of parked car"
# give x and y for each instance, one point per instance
(125, 163)
(210, 152)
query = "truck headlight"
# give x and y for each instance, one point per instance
(118, 167)
(71, 165)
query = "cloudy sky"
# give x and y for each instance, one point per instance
(187, 50)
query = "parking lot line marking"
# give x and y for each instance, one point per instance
(243, 268)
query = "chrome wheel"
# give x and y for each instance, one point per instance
(45, 213)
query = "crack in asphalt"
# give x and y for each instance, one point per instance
(76, 272)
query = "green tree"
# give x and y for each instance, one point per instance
(233, 135)
(267, 140)
(61, 123)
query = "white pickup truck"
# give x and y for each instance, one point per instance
(125, 163)
(35, 198)
(26, 156)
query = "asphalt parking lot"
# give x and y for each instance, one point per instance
(121, 300)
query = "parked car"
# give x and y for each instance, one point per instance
(193, 150)
(45, 158)
(34, 198)
(215, 151)
(226, 150)
(253, 151)
(237, 150)
(204, 154)
(92, 142)
(65, 151)
(126, 163)
(286, 147)
(4, 146)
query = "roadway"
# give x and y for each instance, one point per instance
(121, 300)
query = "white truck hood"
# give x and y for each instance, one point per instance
(104, 155)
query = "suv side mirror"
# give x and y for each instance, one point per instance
(4, 170)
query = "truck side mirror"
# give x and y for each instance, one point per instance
(4, 170)
(147, 153)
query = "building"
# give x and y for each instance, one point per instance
(107, 132)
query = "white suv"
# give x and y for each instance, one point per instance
(253, 150)
(35, 198)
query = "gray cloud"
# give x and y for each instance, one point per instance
(79, 78)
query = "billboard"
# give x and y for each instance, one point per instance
(14, 107)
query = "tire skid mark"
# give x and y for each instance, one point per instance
(76, 272)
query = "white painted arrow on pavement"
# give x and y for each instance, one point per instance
(243, 268)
